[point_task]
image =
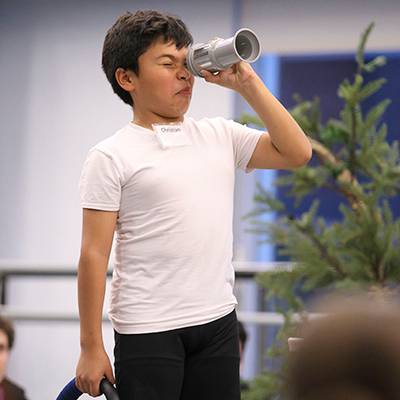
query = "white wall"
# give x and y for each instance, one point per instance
(55, 103)
(291, 26)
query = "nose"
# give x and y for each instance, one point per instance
(183, 73)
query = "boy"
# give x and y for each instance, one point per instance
(170, 200)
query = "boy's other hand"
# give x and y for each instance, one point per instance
(92, 367)
(236, 77)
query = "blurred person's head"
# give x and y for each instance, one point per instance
(353, 352)
(6, 343)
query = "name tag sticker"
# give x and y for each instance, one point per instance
(170, 135)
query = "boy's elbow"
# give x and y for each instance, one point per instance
(308, 154)
(303, 159)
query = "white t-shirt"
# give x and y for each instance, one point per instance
(173, 250)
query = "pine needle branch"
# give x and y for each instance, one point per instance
(326, 157)
(332, 261)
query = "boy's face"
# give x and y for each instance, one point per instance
(163, 87)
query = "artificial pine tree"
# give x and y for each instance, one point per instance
(352, 158)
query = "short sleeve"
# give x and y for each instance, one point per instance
(244, 140)
(100, 182)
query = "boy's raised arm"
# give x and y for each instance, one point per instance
(285, 145)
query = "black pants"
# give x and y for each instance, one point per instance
(197, 362)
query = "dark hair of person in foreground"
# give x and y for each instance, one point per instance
(353, 352)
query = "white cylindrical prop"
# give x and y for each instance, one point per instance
(219, 54)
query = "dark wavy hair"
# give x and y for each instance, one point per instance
(7, 327)
(130, 37)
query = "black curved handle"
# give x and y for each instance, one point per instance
(71, 392)
(108, 389)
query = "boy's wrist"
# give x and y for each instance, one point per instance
(250, 85)
(91, 343)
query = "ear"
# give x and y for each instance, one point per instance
(125, 79)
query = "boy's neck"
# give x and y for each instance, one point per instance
(146, 121)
